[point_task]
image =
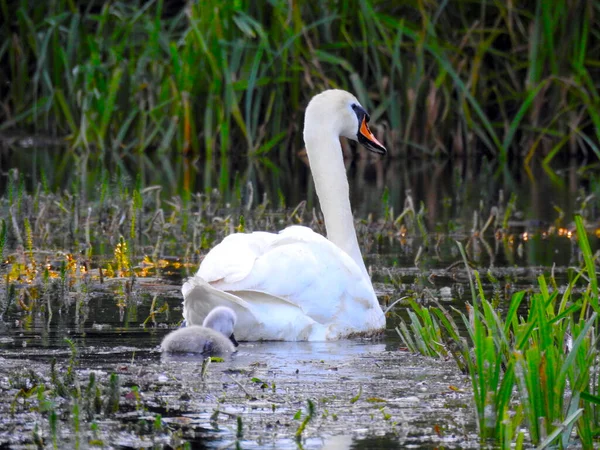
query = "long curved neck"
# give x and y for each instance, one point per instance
(328, 171)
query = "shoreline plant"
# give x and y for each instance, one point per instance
(534, 369)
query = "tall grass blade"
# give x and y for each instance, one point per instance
(514, 125)
(569, 421)
(590, 264)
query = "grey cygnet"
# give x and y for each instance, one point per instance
(214, 337)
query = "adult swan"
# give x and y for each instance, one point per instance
(298, 285)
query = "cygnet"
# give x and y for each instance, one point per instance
(214, 337)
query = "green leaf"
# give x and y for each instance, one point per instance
(590, 398)
(111, 98)
(590, 264)
(357, 396)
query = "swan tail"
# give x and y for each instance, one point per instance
(199, 298)
(260, 316)
(279, 319)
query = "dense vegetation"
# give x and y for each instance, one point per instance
(507, 78)
(533, 367)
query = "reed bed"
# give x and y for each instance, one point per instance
(223, 79)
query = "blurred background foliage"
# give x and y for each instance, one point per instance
(222, 79)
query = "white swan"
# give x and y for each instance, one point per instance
(214, 337)
(298, 285)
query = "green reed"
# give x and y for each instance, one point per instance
(221, 78)
(422, 333)
(533, 368)
(2, 238)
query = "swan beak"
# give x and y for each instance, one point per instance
(366, 138)
(232, 339)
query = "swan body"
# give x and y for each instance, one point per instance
(297, 284)
(213, 337)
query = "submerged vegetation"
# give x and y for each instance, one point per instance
(263, 397)
(217, 79)
(534, 365)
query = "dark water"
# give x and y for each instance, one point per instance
(366, 395)
(427, 401)
(451, 191)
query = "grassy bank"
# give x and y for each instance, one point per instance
(218, 79)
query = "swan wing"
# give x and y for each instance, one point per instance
(233, 258)
(259, 315)
(294, 285)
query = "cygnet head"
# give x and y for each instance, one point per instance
(222, 319)
(339, 112)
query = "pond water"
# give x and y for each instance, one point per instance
(352, 393)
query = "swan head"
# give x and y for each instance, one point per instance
(341, 111)
(222, 319)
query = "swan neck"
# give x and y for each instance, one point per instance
(331, 183)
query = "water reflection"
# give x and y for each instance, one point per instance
(451, 191)
(366, 393)
(456, 197)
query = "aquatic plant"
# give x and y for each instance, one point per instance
(58, 246)
(422, 333)
(2, 238)
(310, 412)
(240, 428)
(535, 367)
(53, 421)
(62, 406)
(208, 78)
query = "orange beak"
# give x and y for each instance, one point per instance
(368, 139)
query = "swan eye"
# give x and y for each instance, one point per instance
(360, 113)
